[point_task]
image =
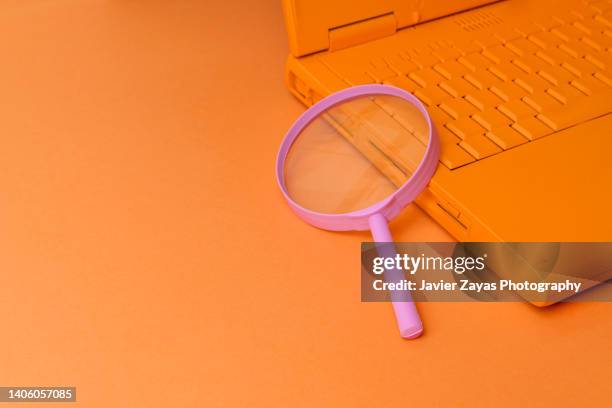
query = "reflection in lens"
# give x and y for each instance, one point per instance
(356, 154)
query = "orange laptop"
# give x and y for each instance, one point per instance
(520, 93)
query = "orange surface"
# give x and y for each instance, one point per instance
(149, 259)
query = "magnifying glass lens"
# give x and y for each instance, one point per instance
(355, 154)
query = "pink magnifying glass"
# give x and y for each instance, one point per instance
(353, 161)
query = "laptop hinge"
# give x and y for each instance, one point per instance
(362, 31)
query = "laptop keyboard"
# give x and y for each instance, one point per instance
(488, 94)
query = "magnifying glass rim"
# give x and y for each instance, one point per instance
(390, 206)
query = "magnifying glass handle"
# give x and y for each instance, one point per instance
(406, 314)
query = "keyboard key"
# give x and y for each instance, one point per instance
(528, 28)
(450, 69)
(505, 137)
(547, 23)
(457, 87)
(392, 131)
(545, 39)
(356, 77)
(402, 82)
(487, 41)
(498, 54)
(554, 56)
(458, 108)
(515, 109)
(403, 117)
(592, 107)
(385, 104)
(576, 49)
(466, 46)
(475, 62)
(579, 67)
(432, 95)
(601, 6)
(589, 84)
(473, 138)
(565, 17)
(565, 93)
(447, 53)
(583, 11)
(482, 79)
(439, 117)
(435, 43)
(506, 33)
(451, 155)
(388, 136)
(353, 74)
(401, 65)
(522, 47)
(590, 27)
(479, 146)
(508, 91)
(424, 60)
(417, 128)
(541, 101)
(532, 83)
(606, 20)
(426, 77)
(506, 71)
(465, 127)
(483, 99)
(556, 75)
(604, 77)
(602, 60)
(409, 53)
(380, 71)
(567, 32)
(530, 63)
(531, 128)
(597, 41)
(491, 118)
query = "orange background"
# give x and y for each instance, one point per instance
(148, 258)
